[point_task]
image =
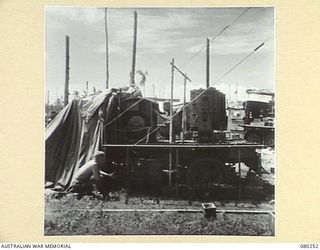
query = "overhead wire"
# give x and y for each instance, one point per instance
(125, 111)
(215, 36)
(241, 61)
(188, 60)
(219, 79)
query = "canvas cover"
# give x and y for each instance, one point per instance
(73, 136)
(76, 133)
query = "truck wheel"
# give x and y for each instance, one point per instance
(253, 137)
(206, 172)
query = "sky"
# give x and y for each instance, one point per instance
(163, 34)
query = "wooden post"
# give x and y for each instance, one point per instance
(171, 103)
(130, 176)
(66, 85)
(171, 125)
(184, 97)
(107, 48)
(87, 88)
(170, 169)
(185, 89)
(239, 166)
(183, 110)
(133, 65)
(208, 63)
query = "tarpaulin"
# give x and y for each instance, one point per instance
(73, 137)
(76, 133)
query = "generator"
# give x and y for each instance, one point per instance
(207, 115)
(136, 118)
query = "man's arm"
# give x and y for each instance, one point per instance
(106, 174)
(96, 172)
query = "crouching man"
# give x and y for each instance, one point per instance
(90, 175)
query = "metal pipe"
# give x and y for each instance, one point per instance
(186, 145)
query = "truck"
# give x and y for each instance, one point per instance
(198, 160)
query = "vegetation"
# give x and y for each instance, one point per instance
(69, 216)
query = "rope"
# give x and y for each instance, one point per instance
(219, 79)
(121, 114)
(172, 116)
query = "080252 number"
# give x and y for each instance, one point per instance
(309, 246)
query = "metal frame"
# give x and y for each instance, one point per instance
(178, 146)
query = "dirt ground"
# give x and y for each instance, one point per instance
(69, 216)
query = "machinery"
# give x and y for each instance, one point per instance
(259, 119)
(140, 117)
(207, 114)
(200, 161)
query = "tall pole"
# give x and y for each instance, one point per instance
(133, 65)
(208, 63)
(66, 85)
(184, 89)
(171, 125)
(239, 178)
(171, 103)
(87, 88)
(186, 78)
(107, 48)
(183, 110)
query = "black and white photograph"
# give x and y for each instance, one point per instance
(159, 121)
